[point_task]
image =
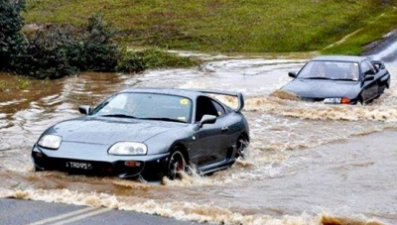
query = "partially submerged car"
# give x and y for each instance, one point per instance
(339, 79)
(147, 131)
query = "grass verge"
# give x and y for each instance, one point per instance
(253, 26)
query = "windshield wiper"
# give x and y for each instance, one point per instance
(319, 78)
(345, 79)
(163, 119)
(119, 115)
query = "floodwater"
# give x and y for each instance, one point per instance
(308, 163)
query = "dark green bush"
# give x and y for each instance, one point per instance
(54, 51)
(138, 61)
(49, 54)
(100, 53)
(12, 42)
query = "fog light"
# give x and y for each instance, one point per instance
(132, 163)
(345, 100)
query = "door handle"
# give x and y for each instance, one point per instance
(225, 128)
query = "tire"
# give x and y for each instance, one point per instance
(241, 147)
(176, 164)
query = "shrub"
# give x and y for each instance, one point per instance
(48, 54)
(55, 51)
(12, 42)
(100, 53)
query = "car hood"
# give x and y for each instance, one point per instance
(107, 131)
(312, 88)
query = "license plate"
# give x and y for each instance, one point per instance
(79, 165)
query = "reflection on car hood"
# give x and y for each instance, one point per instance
(319, 89)
(101, 130)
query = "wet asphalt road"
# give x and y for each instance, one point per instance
(23, 212)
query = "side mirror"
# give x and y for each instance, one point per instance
(369, 72)
(207, 119)
(369, 77)
(292, 74)
(85, 109)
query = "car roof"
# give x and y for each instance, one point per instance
(347, 58)
(189, 93)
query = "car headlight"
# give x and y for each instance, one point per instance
(50, 141)
(342, 100)
(128, 148)
(332, 100)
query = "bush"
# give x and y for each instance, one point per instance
(100, 54)
(12, 42)
(138, 61)
(49, 54)
(55, 51)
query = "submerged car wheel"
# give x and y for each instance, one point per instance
(241, 145)
(176, 164)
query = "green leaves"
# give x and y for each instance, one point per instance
(55, 51)
(11, 40)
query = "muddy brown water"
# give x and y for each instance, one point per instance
(308, 163)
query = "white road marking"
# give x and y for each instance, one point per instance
(64, 216)
(73, 219)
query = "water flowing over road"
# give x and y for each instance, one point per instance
(308, 163)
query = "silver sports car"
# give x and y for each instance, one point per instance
(149, 132)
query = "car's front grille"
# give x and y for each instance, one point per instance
(312, 99)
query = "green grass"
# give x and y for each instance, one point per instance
(231, 26)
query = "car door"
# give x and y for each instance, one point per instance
(369, 86)
(210, 139)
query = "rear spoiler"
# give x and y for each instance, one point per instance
(238, 95)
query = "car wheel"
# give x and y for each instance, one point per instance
(241, 147)
(176, 164)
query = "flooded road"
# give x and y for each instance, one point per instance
(308, 163)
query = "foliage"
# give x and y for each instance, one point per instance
(100, 53)
(137, 61)
(47, 54)
(54, 51)
(11, 40)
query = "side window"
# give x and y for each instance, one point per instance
(366, 67)
(371, 66)
(205, 106)
(219, 108)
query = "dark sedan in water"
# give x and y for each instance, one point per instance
(339, 79)
(149, 132)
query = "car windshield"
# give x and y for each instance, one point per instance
(147, 106)
(334, 70)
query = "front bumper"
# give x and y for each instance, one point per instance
(90, 163)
